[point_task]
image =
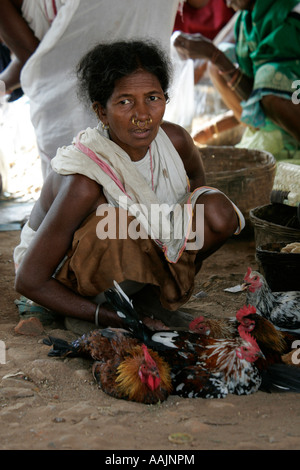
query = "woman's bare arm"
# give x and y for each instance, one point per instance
(34, 279)
(188, 152)
(196, 46)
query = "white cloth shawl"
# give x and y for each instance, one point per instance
(125, 187)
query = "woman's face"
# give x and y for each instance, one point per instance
(137, 98)
(240, 4)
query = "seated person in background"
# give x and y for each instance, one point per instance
(94, 223)
(208, 20)
(260, 88)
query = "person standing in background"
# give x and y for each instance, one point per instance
(49, 37)
(256, 76)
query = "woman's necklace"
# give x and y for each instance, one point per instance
(151, 168)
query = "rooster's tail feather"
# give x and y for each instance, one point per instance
(281, 378)
(60, 347)
(124, 308)
(121, 303)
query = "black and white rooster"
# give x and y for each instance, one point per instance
(280, 308)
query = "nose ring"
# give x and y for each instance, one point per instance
(140, 124)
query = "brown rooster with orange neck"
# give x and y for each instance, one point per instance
(123, 367)
(142, 376)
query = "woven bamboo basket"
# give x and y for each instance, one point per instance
(245, 176)
(281, 270)
(274, 223)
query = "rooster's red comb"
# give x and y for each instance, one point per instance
(147, 355)
(194, 323)
(244, 311)
(247, 275)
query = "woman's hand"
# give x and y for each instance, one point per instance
(11, 76)
(154, 324)
(194, 46)
(20, 40)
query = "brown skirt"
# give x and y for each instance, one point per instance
(92, 264)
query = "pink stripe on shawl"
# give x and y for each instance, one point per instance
(104, 166)
(51, 17)
(54, 7)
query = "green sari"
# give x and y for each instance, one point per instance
(268, 51)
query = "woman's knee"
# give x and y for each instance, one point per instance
(219, 214)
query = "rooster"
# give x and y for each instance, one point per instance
(123, 367)
(265, 333)
(274, 344)
(277, 371)
(221, 328)
(230, 363)
(224, 327)
(200, 366)
(268, 337)
(196, 382)
(280, 308)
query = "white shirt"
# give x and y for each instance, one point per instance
(48, 78)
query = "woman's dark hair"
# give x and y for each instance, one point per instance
(99, 69)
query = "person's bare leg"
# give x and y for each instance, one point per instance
(284, 113)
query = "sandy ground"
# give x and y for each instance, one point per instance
(53, 404)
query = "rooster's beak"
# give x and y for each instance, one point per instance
(261, 355)
(245, 285)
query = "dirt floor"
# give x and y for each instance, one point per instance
(48, 403)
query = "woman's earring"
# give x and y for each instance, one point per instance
(105, 127)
